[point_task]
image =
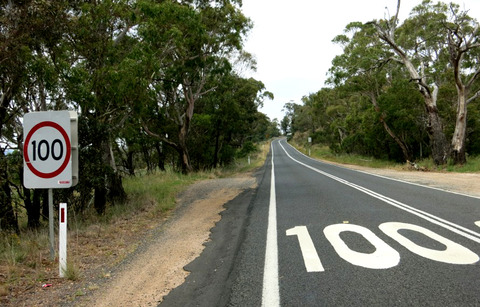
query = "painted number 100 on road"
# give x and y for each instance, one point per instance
(384, 256)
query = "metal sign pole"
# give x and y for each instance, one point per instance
(50, 223)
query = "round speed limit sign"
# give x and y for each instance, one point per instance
(47, 150)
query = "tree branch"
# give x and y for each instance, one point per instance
(157, 136)
(473, 78)
(477, 94)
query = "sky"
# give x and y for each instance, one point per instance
(292, 40)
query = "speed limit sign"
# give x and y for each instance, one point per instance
(50, 149)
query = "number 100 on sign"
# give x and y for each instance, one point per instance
(47, 150)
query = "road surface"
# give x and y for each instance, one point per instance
(315, 234)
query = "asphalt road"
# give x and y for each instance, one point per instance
(314, 234)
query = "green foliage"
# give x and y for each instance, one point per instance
(152, 82)
(247, 149)
(472, 166)
(72, 272)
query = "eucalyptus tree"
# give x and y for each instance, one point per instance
(436, 39)
(98, 85)
(187, 45)
(419, 50)
(31, 57)
(364, 69)
(464, 54)
(228, 118)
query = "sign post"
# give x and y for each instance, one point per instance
(50, 155)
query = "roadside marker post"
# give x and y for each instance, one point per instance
(50, 156)
(62, 240)
(309, 146)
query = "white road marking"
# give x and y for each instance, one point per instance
(309, 253)
(454, 252)
(271, 292)
(384, 256)
(467, 233)
(390, 178)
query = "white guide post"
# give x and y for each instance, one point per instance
(62, 239)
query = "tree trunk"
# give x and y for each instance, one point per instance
(129, 163)
(459, 135)
(217, 145)
(147, 158)
(7, 217)
(44, 205)
(402, 145)
(116, 192)
(100, 198)
(456, 57)
(182, 138)
(161, 156)
(113, 182)
(8, 220)
(34, 214)
(438, 141)
(32, 207)
(184, 157)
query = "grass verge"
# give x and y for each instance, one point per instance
(324, 153)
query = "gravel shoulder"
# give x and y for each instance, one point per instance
(463, 183)
(159, 265)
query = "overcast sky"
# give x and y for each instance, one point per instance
(291, 40)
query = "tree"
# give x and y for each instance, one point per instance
(31, 55)
(423, 52)
(228, 117)
(189, 50)
(98, 85)
(462, 42)
(361, 69)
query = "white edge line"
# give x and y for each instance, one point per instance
(271, 292)
(385, 177)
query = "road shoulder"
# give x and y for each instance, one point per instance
(158, 267)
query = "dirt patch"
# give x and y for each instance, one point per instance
(463, 183)
(159, 268)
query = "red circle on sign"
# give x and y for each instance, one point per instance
(67, 156)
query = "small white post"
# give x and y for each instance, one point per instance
(249, 160)
(62, 239)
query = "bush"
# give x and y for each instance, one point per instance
(247, 148)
